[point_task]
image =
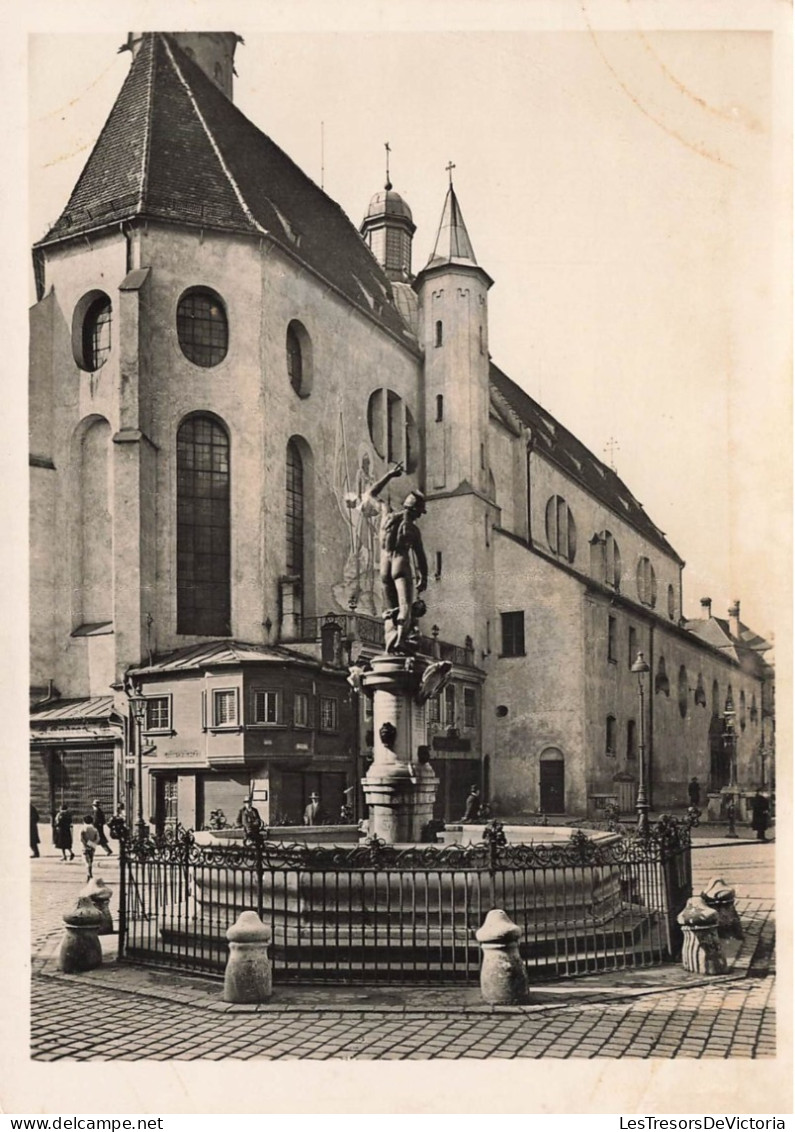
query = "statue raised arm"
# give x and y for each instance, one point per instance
(401, 550)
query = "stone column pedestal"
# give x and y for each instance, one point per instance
(399, 788)
(248, 976)
(701, 948)
(503, 976)
(80, 946)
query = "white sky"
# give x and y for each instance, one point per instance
(626, 189)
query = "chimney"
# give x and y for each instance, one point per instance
(706, 605)
(734, 619)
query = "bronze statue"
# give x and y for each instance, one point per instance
(401, 549)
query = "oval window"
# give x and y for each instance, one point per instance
(202, 327)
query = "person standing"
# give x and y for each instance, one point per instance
(694, 791)
(90, 839)
(62, 832)
(34, 831)
(313, 815)
(472, 805)
(760, 815)
(98, 816)
(249, 817)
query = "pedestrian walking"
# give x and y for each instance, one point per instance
(34, 831)
(62, 832)
(98, 815)
(760, 815)
(694, 791)
(472, 805)
(90, 839)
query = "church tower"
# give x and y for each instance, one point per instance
(388, 229)
(453, 332)
(452, 292)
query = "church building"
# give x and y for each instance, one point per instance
(222, 364)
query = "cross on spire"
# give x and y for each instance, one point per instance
(388, 149)
(449, 167)
(611, 448)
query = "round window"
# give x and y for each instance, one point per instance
(202, 327)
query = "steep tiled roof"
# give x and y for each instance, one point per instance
(175, 148)
(564, 449)
(716, 631)
(214, 654)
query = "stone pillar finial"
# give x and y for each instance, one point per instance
(248, 977)
(80, 946)
(503, 977)
(701, 948)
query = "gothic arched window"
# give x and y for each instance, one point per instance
(203, 528)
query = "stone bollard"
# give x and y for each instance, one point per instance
(719, 896)
(503, 977)
(99, 894)
(80, 946)
(701, 949)
(248, 975)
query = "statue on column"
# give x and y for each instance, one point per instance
(401, 552)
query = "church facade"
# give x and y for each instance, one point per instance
(221, 366)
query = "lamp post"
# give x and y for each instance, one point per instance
(640, 668)
(138, 705)
(730, 741)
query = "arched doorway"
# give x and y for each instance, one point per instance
(551, 778)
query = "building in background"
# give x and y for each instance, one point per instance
(221, 365)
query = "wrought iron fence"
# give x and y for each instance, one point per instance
(374, 913)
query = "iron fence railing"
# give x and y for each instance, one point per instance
(375, 913)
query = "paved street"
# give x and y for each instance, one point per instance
(662, 1013)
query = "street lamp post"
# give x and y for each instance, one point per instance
(640, 668)
(730, 740)
(138, 705)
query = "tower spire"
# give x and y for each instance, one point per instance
(387, 183)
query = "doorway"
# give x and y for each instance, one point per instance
(551, 767)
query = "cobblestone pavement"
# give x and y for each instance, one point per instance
(658, 1013)
(728, 1019)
